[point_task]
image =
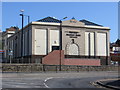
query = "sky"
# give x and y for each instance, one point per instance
(103, 13)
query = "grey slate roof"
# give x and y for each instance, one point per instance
(49, 19)
(52, 19)
(89, 23)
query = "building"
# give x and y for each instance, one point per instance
(78, 39)
(115, 52)
(0, 39)
(1, 51)
(5, 35)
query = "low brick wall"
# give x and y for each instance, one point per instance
(90, 62)
(45, 68)
(56, 57)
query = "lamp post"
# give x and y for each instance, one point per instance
(60, 48)
(22, 33)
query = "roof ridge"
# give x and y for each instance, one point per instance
(49, 19)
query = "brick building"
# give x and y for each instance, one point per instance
(115, 52)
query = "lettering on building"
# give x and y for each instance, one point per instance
(72, 34)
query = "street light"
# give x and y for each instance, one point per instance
(22, 32)
(22, 10)
(60, 48)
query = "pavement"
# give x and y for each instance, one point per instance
(110, 83)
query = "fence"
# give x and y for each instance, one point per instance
(44, 68)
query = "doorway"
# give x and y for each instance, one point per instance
(55, 48)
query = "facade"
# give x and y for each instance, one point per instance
(78, 39)
(115, 53)
(0, 40)
(1, 51)
(5, 35)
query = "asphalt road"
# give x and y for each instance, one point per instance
(54, 80)
(71, 82)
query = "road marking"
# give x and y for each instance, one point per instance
(49, 79)
(45, 85)
(46, 81)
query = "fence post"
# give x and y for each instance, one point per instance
(88, 68)
(17, 68)
(56, 68)
(77, 68)
(44, 68)
(31, 68)
(2, 69)
(68, 68)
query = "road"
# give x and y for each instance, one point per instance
(55, 80)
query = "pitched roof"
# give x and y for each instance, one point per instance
(89, 23)
(49, 19)
(54, 20)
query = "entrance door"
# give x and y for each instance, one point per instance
(55, 48)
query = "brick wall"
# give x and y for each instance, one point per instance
(115, 57)
(88, 62)
(53, 58)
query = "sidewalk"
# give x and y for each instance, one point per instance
(110, 83)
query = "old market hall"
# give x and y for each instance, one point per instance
(52, 41)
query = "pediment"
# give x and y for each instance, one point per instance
(72, 22)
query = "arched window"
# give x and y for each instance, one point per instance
(73, 49)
